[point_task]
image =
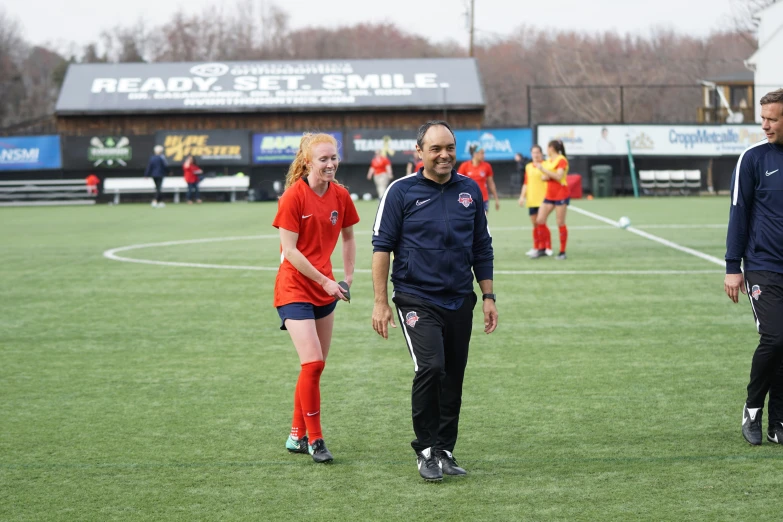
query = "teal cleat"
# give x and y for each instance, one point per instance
(296, 445)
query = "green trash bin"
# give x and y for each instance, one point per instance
(602, 180)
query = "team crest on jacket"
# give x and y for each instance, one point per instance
(333, 217)
(755, 292)
(465, 198)
(411, 318)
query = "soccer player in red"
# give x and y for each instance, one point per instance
(380, 172)
(481, 172)
(555, 172)
(312, 212)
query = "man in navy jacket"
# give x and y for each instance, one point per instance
(434, 222)
(755, 238)
(157, 167)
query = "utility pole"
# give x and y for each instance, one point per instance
(472, 25)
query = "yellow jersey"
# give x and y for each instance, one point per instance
(536, 187)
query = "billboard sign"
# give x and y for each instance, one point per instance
(397, 145)
(107, 152)
(424, 83)
(223, 147)
(652, 140)
(30, 153)
(498, 144)
(282, 147)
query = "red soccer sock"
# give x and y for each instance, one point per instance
(298, 426)
(310, 398)
(536, 238)
(547, 235)
(563, 238)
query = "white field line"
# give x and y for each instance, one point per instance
(113, 255)
(647, 235)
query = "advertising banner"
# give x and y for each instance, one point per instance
(498, 144)
(281, 147)
(652, 140)
(106, 152)
(208, 147)
(427, 83)
(361, 144)
(30, 153)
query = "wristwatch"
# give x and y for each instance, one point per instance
(489, 296)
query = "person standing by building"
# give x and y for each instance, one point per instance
(312, 213)
(380, 171)
(192, 174)
(157, 168)
(481, 172)
(434, 223)
(754, 242)
(555, 173)
(532, 197)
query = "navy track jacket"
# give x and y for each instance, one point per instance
(756, 218)
(437, 233)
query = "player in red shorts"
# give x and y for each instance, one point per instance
(481, 172)
(555, 170)
(312, 212)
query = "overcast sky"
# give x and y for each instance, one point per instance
(58, 22)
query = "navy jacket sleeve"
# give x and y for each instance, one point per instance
(483, 255)
(388, 221)
(743, 183)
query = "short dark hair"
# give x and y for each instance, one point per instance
(772, 97)
(424, 128)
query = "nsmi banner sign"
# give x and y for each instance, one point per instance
(271, 86)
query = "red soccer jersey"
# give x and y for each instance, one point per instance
(318, 221)
(419, 165)
(478, 173)
(379, 165)
(191, 172)
(557, 190)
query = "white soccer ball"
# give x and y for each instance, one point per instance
(354, 196)
(367, 196)
(624, 222)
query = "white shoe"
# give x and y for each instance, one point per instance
(154, 204)
(163, 205)
(548, 251)
(531, 252)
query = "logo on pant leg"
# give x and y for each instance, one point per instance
(411, 318)
(755, 292)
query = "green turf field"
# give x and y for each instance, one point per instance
(611, 390)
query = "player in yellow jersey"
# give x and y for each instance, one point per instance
(532, 196)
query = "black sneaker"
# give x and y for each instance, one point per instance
(319, 452)
(449, 464)
(561, 256)
(775, 433)
(429, 465)
(539, 253)
(751, 426)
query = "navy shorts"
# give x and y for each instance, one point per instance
(302, 311)
(533, 210)
(559, 202)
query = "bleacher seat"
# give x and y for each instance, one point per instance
(677, 180)
(175, 185)
(693, 179)
(662, 179)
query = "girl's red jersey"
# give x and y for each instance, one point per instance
(318, 221)
(478, 173)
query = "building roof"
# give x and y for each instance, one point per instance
(735, 77)
(271, 86)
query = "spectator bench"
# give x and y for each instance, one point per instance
(176, 186)
(667, 181)
(46, 192)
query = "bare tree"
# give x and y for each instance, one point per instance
(744, 17)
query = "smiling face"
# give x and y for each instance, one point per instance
(537, 155)
(772, 122)
(323, 162)
(438, 152)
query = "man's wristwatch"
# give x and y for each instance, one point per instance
(489, 296)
